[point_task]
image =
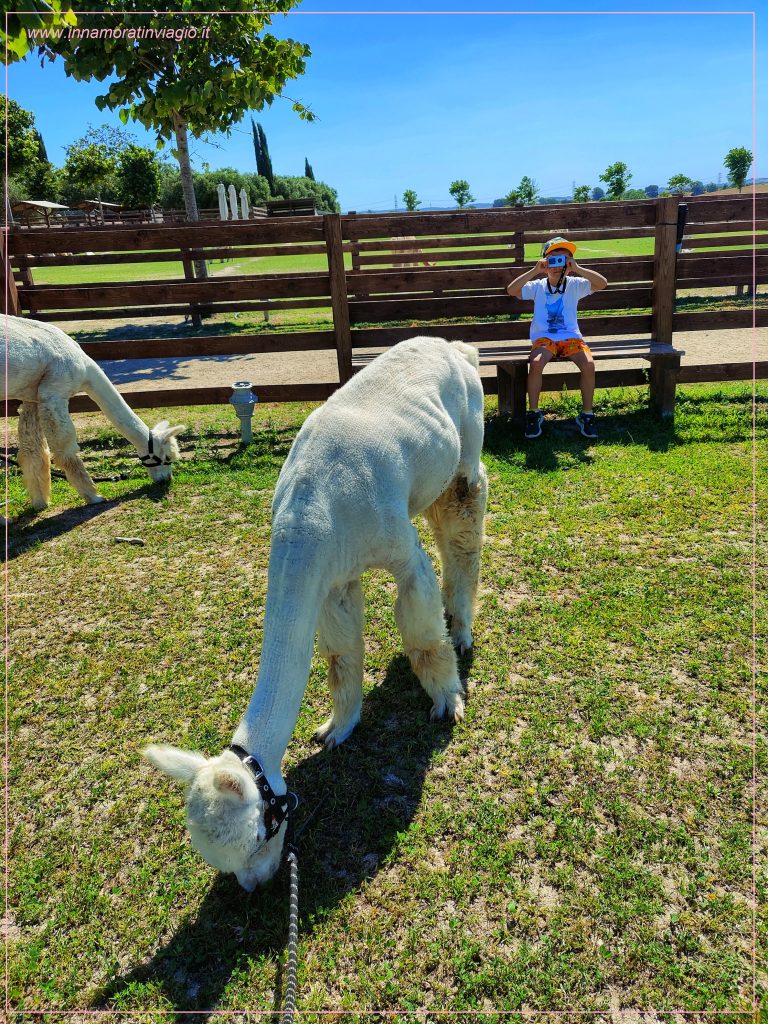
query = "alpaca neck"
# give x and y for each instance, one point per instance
(99, 387)
(295, 592)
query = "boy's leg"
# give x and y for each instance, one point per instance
(586, 364)
(537, 361)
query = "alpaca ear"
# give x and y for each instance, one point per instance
(165, 431)
(179, 764)
(230, 784)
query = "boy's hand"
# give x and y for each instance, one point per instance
(571, 266)
(542, 266)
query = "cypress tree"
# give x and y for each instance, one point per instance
(257, 150)
(308, 172)
(42, 155)
(267, 162)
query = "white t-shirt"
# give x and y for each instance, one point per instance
(554, 314)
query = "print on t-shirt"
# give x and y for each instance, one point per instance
(555, 317)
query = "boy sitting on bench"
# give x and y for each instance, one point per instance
(555, 330)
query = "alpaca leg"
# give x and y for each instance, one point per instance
(456, 519)
(340, 641)
(34, 457)
(419, 616)
(60, 431)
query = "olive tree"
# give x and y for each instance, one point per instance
(616, 177)
(459, 189)
(738, 161)
(411, 200)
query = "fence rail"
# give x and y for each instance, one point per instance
(435, 273)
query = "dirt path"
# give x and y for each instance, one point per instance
(742, 345)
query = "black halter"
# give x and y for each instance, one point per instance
(150, 459)
(276, 808)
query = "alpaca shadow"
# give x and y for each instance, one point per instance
(29, 529)
(356, 800)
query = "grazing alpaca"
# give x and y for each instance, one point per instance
(403, 437)
(45, 368)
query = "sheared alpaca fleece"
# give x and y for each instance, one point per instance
(45, 368)
(403, 437)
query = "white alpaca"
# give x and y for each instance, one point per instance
(45, 368)
(403, 437)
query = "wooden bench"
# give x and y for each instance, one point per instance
(664, 360)
(511, 362)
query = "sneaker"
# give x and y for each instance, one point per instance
(533, 422)
(587, 424)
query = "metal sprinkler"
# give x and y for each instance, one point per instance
(244, 401)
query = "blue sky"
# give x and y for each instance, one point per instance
(417, 100)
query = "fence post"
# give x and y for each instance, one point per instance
(189, 275)
(664, 269)
(520, 247)
(339, 301)
(11, 302)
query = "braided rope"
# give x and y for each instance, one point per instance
(292, 967)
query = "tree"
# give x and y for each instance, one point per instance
(617, 178)
(712, 186)
(179, 86)
(138, 177)
(459, 189)
(206, 186)
(411, 200)
(652, 191)
(635, 193)
(697, 188)
(581, 194)
(597, 194)
(36, 14)
(90, 172)
(22, 150)
(257, 149)
(263, 159)
(738, 161)
(308, 172)
(325, 197)
(30, 174)
(526, 193)
(679, 184)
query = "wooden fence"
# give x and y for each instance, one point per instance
(439, 271)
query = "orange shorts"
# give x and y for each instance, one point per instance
(561, 349)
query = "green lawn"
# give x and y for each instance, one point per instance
(581, 841)
(99, 273)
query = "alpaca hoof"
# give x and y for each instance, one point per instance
(451, 706)
(331, 735)
(95, 500)
(39, 506)
(461, 639)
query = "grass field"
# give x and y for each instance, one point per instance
(582, 841)
(128, 272)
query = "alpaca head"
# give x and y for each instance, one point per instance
(162, 451)
(225, 813)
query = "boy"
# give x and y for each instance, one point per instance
(555, 331)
